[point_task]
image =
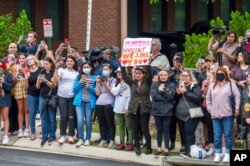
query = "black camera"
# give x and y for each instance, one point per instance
(218, 31)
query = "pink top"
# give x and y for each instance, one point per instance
(218, 103)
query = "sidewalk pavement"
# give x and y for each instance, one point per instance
(87, 151)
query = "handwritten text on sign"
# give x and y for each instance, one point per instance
(136, 51)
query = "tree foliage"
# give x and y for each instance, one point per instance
(196, 44)
(10, 30)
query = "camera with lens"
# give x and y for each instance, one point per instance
(218, 31)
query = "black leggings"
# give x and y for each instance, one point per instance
(105, 115)
(67, 115)
(162, 126)
(144, 122)
(188, 128)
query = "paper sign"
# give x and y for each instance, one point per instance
(136, 51)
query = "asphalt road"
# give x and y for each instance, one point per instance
(14, 157)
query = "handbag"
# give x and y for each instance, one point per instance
(232, 99)
(194, 112)
(51, 99)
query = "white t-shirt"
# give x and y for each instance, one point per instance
(65, 85)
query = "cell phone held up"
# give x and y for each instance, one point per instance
(102, 78)
(65, 43)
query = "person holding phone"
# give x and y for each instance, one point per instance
(20, 93)
(48, 113)
(6, 84)
(188, 96)
(64, 78)
(33, 93)
(84, 101)
(104, 106)
(31, 46)
(13, 113)
(174, 76)
(244, 45)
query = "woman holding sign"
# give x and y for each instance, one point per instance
(140, 105)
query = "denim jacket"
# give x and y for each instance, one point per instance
(77, 89)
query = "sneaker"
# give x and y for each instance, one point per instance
(138, 151)
(129, 147)
(79, 143)
(51, 140)
(148, 151)
(165, 153)
(172, 146)
(20, 133)
(157, 154)
(71, 140)
(217, 157)
(226, 158)
(182, 149)
(102, 143)
(5, 140)
(120, 146)
(210, 151)
(62, 140)
(112, 144)
(87, 142)
(43, 141)
(26, 133)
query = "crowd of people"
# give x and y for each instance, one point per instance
(31, 75)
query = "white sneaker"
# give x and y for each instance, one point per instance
(102, 143)
(20, 133)
(112, 144)
(210, 151)
(86, 143)
(5, 140)
(79, 143)
(226, 158)
(26, 133)
(217, 157)
(62, 140)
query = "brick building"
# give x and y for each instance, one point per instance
(113, 20)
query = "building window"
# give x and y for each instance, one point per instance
(246, 6)
(26, 5)
(225, 10)
(180, 16)
(53, 9)
(203, 11)
(156, 17)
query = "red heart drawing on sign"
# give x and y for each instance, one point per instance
(145, 61)
(124, 62)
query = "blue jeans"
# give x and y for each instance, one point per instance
(33, 102)
(48, 119)
(84, 113)
(223, 126)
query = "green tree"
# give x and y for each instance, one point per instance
(10, 30)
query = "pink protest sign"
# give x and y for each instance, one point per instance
(136, 51)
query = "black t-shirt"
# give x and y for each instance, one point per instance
(44, 89)
(32, 90)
